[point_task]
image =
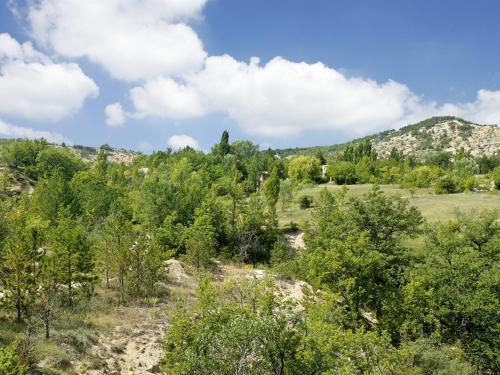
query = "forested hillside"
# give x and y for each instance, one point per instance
(180, 263)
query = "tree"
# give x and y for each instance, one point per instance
(355, 249)
(62, 160)
(48, 291)
(272, 189)
(224, 146)
(114, 245)
(304, 169)
(93, 195)
(18, 273)
(453, 292)
(73, 254)
(286, 194)
(343, 173)
(465, 167)
(146, 263)
(496, 177)
(200, 242)
(53, 195)
(22, 155)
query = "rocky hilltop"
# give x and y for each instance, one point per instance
(440, 134)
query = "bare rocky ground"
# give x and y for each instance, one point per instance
(134, 344)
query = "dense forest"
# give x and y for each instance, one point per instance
(385, 291)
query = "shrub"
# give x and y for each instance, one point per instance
(420, 177)
(467, 184)
(465, 167)
(495, 175)
(305, 202)
(446, 185)
(9, 361)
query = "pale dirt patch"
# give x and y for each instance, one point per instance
(134, 344)
(296, 240)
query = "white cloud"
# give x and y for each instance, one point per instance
(35, 88)
(131, 39)
(22, 132)
(180, 141)
(114, 114)
(284, 98)
(164, 97)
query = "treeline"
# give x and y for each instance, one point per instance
(359, 164)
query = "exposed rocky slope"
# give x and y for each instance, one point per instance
(426, 137)
(438, 134)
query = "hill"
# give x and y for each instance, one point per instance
(437, 134)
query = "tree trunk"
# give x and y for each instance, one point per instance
(47, 328)
(69, 279)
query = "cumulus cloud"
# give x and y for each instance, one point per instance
(180, 141)
(114, 114)
(164, 97)
(131, 39)
(34, 87)
(284, 98)
(12, 131)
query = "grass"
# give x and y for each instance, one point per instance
(432, 206)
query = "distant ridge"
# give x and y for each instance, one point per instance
(436, 134)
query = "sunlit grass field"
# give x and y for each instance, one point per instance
(432, 206)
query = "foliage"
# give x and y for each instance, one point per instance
(343, 172)
(304, 169)
(453, 292)
(200, 242)
(286, 194)
(496, 177)
(10, 362)
(446, 185)
(305, 202)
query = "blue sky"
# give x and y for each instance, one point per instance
(384, 64)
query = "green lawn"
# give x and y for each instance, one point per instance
(433, 207)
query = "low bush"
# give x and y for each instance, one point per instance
(305, 202)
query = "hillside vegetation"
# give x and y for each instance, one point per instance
(176, 262)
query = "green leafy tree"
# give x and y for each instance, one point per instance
(355, 250)
(453, 292)
(304, 169)
(62, 160)
(343, 173)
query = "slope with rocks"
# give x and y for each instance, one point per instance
(440, 134)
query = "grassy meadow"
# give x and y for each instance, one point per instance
(434, 207)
